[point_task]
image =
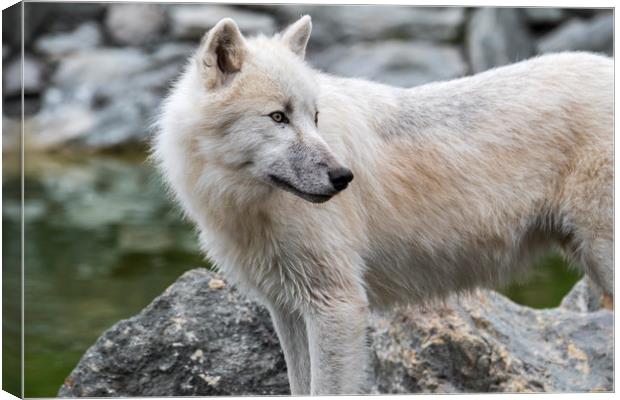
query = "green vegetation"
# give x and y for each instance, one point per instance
(546, 285)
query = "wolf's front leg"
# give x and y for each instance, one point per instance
(291, 329)
(337, 343)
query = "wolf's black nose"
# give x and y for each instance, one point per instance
(340, 178)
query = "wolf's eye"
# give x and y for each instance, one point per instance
(279, 117)
(316, 118)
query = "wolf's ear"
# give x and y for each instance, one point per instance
(221, 53)
(296, 36)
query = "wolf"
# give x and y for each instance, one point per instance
(327, 198)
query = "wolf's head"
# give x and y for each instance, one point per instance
(260, 111)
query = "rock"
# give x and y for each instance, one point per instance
(201, 337)
(87, 36)
(192, 340)
(587, 12)
(495, 37)
(120, 23)
(88, 105)
(79, 109)
(60, 125)
(584, 297)
(46, 17)
(193, 21)
(592, 35)
(397, 63)
(98, 67)
(338, 24)
(486, 343)
(389, 22)
(544, 15)
(33, 76)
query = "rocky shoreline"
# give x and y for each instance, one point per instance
(201, 338)
(94, 79)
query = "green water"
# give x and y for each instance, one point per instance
(102, 240)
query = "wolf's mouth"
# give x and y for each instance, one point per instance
(311, 197)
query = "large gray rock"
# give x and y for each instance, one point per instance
(596, 35)
(193, 21)
(333, 24)
(197, 338)
(42, 17)
(397, 63)
(497, 36)
(88, 103)
(96, 67)
(584, 297)
(544, 15)
(32, 71)
(135, 24)
(486, 343)
(200, 337)
(106, 97)
(56, 45)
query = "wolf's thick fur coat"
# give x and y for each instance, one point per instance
(457, 184)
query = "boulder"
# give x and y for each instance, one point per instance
(355, 23)
(486, 343)
(43, 17)
(135, 24)
(201, 337)
(541, 16)
(397, 63)
(584, 297)
(497, 36)
(56, 45)
(33, 76)
(106, 97)
(99, 67)
(193, 21)
(588, 35)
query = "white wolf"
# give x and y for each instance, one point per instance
(457, 184)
